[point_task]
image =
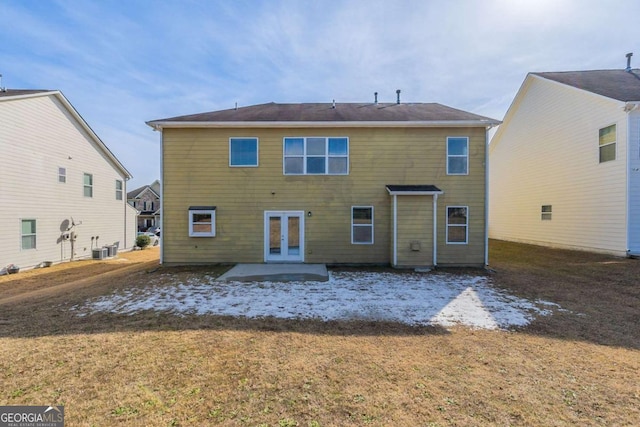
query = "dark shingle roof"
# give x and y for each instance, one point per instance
(326, 112)
(412, 188)
(617, 84)
(18, 92)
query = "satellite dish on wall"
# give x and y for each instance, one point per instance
(64, 226)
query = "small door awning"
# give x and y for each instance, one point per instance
(413, 190)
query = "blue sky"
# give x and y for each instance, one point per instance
(122, 63)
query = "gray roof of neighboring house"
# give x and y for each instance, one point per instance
(617, 84)
(18, 92)
(329, 112)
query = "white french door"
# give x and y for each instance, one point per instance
(284, 236)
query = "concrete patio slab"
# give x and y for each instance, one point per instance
(276, 273)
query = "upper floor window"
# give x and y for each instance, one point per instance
(28, 233)
(607, 143)
(316, 156)
(88, 185)
(362, 225)
(457, 224)
(243, 152)
(62, 175)
(118, 189)
(457, 155)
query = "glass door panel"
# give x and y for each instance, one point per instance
(293, 235)
(275, 235)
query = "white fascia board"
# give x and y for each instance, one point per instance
(320, 124)
(127, 175)
(94, 136)
(593, 94)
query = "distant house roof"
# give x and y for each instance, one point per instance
(154, 187)
(329, 114)
(11, 95)
(616, 84)
(21, 92)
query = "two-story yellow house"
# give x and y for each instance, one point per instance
(403, 184)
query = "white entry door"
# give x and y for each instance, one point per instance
(284, 236)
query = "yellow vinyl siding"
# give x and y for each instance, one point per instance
(196, 172)
(415, 224)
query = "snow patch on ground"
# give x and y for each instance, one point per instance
(413, 299)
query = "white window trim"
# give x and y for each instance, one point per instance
(304, 155)
(35, 246)
(257, 152)
(610, 143)
(372, 225)
(466, 224)
(202, 210)
(458, 155)
(62, 175)
(119, 191)
(84, 186)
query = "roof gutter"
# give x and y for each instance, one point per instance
(159, 125)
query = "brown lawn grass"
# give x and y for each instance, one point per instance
(577, 367)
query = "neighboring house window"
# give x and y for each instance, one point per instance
(243, 151)
(362, 225)
(545, 213)
(457, 224)
(88, 185)
(202, 221)
(28, 234)
(62, 175)
(457, 155)
(316, 156)
(607, 143)
(118, 189)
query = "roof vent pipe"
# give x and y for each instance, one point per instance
(334, 104)
(398, 99)
(629, 55)
(375, 97)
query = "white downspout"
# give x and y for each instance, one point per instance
(435, 230)
(628, 109)
(395, 230)
(162, 230)
(486, 197)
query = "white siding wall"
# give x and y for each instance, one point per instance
(634, 182)
(547, 154)
(38, 135)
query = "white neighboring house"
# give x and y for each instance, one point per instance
(62, 192)
(565, 164)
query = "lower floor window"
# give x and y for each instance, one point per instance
(202, 221)
(362, 225)
(545, 213)
(457, 224)
(28, 234)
